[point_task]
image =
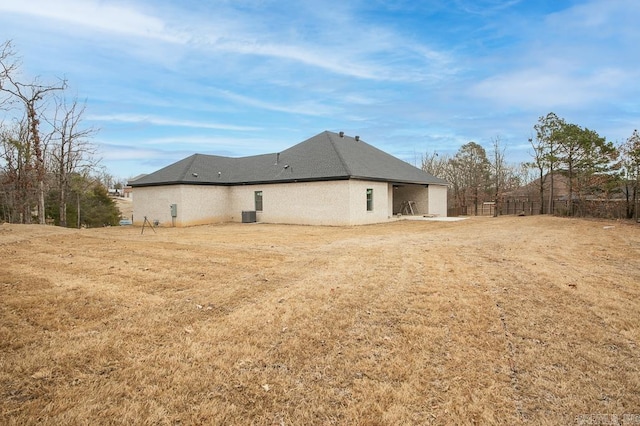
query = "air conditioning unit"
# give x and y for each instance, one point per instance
(248, 216)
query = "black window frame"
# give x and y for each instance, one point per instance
(369, 199)
(257, 198)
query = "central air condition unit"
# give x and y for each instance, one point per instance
(248, 216)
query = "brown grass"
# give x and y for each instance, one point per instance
(509, 320)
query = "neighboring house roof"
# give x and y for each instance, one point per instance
(136, 178)
(561, 187)
(326, 156)
(532, 189)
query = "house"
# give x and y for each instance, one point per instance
(329, 179)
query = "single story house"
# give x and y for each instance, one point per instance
(329, 179)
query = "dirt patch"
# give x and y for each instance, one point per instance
(489, 320)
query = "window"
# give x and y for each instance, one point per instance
(258, 199)
(369, 199)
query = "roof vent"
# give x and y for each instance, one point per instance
(341, 134)
(357, 138)
(194, 174)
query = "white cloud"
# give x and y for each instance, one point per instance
(576, 58)
(193, 143)
(162, 121)
(372, 54)
(308, 55)
(484, 7)
(549, 87)
(597, 18)
(109, 17)
(303, 108)
(374, 67)
(336, 43)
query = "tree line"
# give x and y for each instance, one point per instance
(592, 168)
(49, 171)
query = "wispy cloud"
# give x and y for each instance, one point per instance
(163, 121)
(364, 52)
(484, 7)
(314, 56)
(568, 60)
(549, 87)
(165, 78)
(311, 108)
(98, 15)
(202, 144)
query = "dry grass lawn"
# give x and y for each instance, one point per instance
(486, 321)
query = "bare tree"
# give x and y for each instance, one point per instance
(630, 152)
(31, 96)
(8, 66)
(540, 164)
(435, 164)
(71, 150)
(471, 171)
(17, 173)
(499, 172)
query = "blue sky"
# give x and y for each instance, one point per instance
(166, 79)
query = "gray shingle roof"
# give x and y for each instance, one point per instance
(326, 156)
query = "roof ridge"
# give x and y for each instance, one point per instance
(325, 156)
(189, 164)
(338, 153)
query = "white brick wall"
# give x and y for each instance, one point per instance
(438, 200)
(341, 202)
